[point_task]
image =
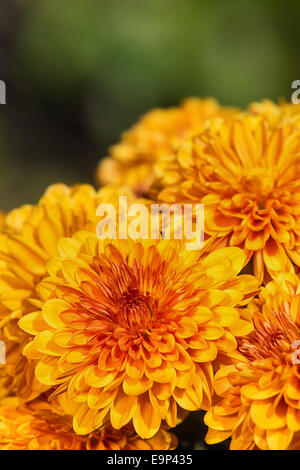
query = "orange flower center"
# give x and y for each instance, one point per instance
(135, 309)
(117, 299)
(271, 339)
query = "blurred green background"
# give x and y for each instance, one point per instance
(79, 72)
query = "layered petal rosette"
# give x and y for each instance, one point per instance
(132, 331)
(258, 402)
(246, 173)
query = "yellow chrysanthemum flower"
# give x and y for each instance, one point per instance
(29, 238)
(39, 425)
(130, 329)
(277, 114)
(246, 173)
(260, 395)
(132, 161)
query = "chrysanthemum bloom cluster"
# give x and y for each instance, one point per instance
(158, 133)
(110, 343)
(40, 425)
(127, 331)
(260, 404)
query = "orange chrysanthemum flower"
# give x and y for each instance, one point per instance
(39, 425)
(260, 404)
(246, 173)
(130, 329)
(132, 161)
(29, 238)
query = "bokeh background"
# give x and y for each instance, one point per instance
(79, 72)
